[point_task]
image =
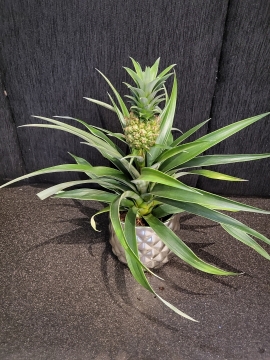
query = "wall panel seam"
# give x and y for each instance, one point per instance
(13, 123)
(220, 57)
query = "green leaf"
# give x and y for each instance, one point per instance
(118, 136)
(107, 183)
(139, 158)
(167, 117)
(180, 248)
(204, 198)
(98, 132)
(157, 176)
(169, 141)
(128, 169)
(214, 216)
(154, 68)
(92, 220)
(164, 210)
(118, 97)
(174, 157)
(58, 168)
(106, 171)
(246, 239)
(92, 140)
(122, 181)
(188, 133)
(135, 267)
(165, 71)
(82, 161)
(97, 171)
(88, 194)
(211, 175)
(116, 224)
(120, 115)
(73, 130)
(207, 141)
(101, 103)
(137, 67)
(176, 129)
(135, 77)
(105, 174)
(54, 189)
(174, 154)
(226, 131)
(208, 160)
(175, 309)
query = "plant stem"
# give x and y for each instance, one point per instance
(139, 164)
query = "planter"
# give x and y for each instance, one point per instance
(153, 252)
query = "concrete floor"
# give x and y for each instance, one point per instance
(64, 295)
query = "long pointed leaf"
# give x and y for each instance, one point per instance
(245, 239)
(116, 224)
(175, 153)
(44, 194)
(119, 99)
(99, 132)
(188, 133)
(107, 183)
(88, 194)
(154, 68)
(208, 141)
(57, 168)
(137, 67)
(214, 216)
(120, 115)
(130, 235)
(101, 103)
(226, 131)
(100, 144)
(82, 161)
(135, 267)
(180, 248)
(157, 176)
(167, 118)
(205, 199)
(165, 71)
(92, 220)
(165, 210)
(210, 174)
(208, 160)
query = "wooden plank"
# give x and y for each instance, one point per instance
(50, 50)
(242, 91)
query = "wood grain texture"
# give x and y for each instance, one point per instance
(11, 162)
(243, 90)
(51, 48)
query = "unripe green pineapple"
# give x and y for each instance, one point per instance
(141, 134)
(142, 126)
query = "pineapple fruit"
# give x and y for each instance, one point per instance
(142, 126)
(141, 134)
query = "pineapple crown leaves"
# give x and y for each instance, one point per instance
(144, 98)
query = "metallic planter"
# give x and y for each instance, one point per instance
(153, 252)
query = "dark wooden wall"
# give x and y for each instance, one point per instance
(50, 50)
(243, 90)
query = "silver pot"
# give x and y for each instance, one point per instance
(153, 252)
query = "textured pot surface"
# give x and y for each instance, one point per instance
(153, 252)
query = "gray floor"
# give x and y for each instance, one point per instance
(65, 295)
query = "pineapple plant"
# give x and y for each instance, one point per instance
(142, 125)
(145, 181)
